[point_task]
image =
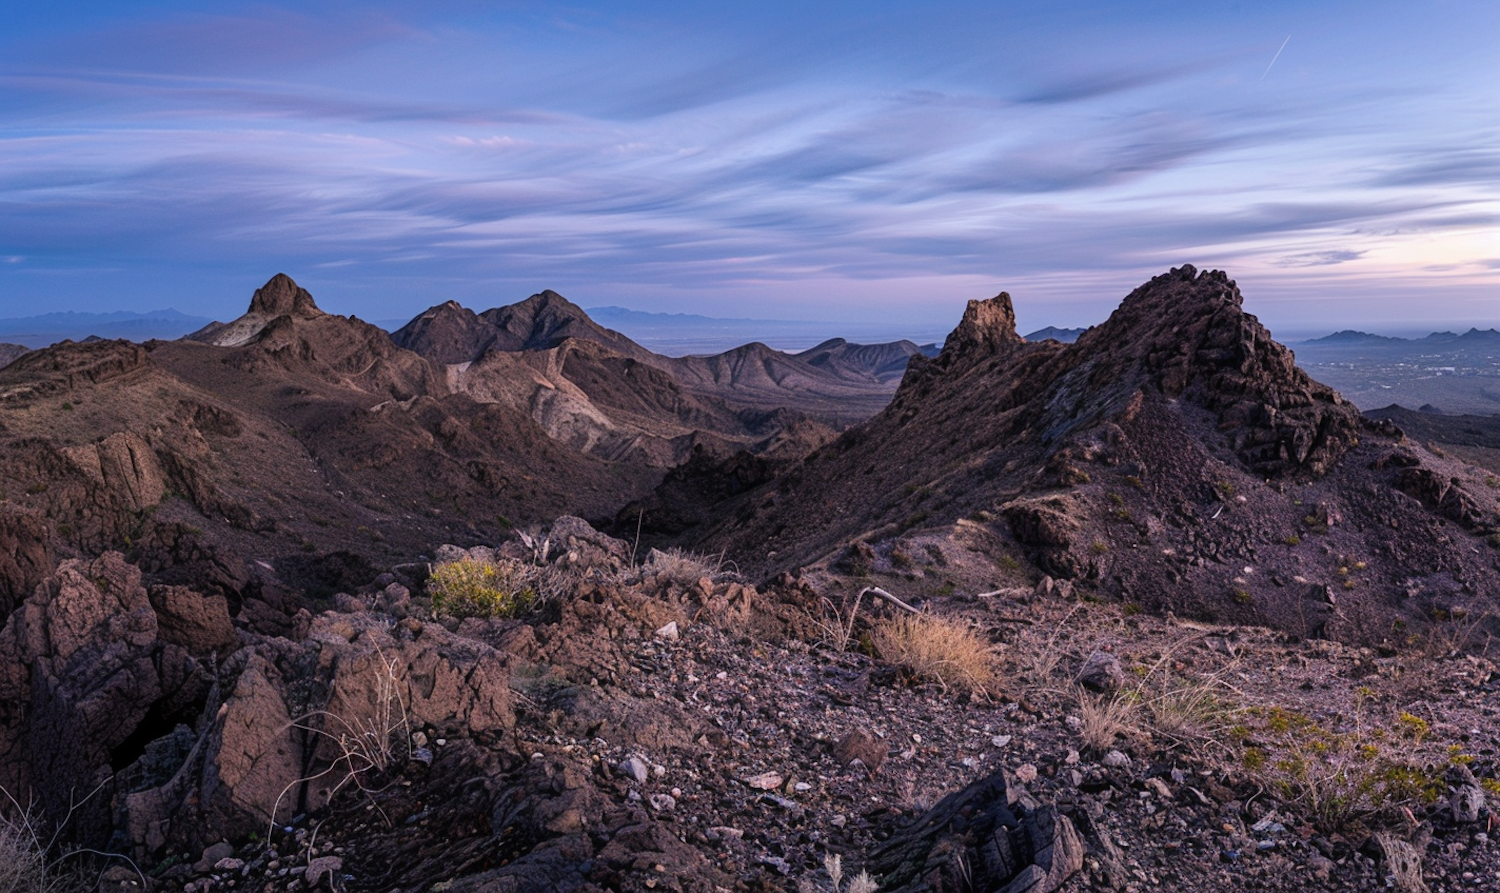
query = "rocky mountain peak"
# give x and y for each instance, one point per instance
(1185, 334)
(546, 319)
(447, 333)
(986, 325)
(281, 296)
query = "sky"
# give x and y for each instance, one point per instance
(809, 160)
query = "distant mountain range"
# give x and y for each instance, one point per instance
(1352, 338)
(1444, 370)
(1066, 336)
(50, 328)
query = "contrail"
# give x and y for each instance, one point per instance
(1275, 57)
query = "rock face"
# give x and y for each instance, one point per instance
(283, 297)
(977, 839)
(104, 682)
(87, 683)
(25, 557)
(301, 719)
(986, 327)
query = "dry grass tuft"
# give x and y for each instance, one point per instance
(683, 568)
(950, 652)
(23, 865)
(1107, 718)
(1192, 713)
(1038, 657)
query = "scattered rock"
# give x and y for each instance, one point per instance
(862, 746)
(1101, 673)
(635, 768)
(212, 856)
(323, 868)
(1115, 760)
(766, 781)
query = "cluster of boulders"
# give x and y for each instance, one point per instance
(142, 717)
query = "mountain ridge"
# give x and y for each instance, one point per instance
(1152, 460)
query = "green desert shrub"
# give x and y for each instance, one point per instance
(472, 588)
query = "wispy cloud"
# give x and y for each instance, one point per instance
(694, 153)
(1318, 258)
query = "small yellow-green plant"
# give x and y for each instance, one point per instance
(1344, 778)
(469, 587)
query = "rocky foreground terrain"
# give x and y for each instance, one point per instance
(1152, 607)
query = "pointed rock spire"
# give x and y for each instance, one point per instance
(986, 325)
(283, 297)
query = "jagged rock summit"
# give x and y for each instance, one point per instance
(447, 334)
(279, 298)
(282, 297)
(1185, 335)
(986, 325)
(452, 334)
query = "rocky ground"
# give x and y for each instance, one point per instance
(671, 728)
(1154, 608)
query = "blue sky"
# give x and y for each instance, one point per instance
(857, 161)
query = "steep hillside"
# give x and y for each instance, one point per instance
(449, 333)
(297, 435)
(1174, 457)
(882, 362)
(760, 377)
(585, 395)
(9, 352)
(547, 319)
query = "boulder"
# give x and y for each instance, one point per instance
(199, 623)
(302, 719)
(976, 839)
(1101, 673)
(87, 683)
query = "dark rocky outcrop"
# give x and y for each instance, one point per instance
(87, 683)
(984, 837)
(448, 334)
(282, 297)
